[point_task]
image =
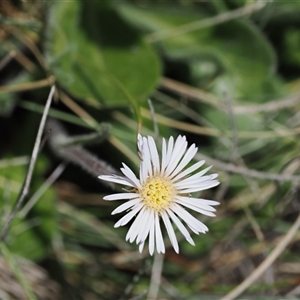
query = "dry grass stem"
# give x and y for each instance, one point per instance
(280, 133)
(182, 125)
(37, 195)
(228, 167)
(27, 86)
(124, 149)
(25, 62)
(78, 110)
(198, 25)
(16, 161)
(281, 246)
(155, 127)
(6, 60)
(32, 162)
(98, 227)
(270, 106)
(193, 93)
(28, 42)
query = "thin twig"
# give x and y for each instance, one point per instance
(98, 137)
(132, 284)
(270, 106)
(234, 150)
(170, 289)
(25, 62)
(34, 199)
(247, 172)
(266, 263)
(7, 59)
(31, 45)
(155, 276)
(205, 97)
(33, 159)
(183, 108)
(16, 161)
(45, 139)
(221, 18)
(235, 158)
(124, 149)
(94, 225)
(183, 126)
(191, 92)
(22, 23)
(140, 296)
(294, 293)
(155, 127)
(78, 110)
(27, 86)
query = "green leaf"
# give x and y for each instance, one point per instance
(97, 57)
(247, 59)
(232, 56)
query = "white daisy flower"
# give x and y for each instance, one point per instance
(161, 192)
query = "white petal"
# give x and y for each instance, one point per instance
(160, 246)
(125, 219)
(129, 174)
(147, 158)
(144, 166)
(186, 159)
(169, 153)
(154, 155)
(140, 144)
(192, 181)
(179, 149)
(181, 227)
(170, 231)
(189, 170)
(141, 247)
(121, 196)
(116, 179)
(163, 155)
(190, 220)
(149, 219)
(214, 176)
(204, 171)
(135, 226)
(200, 187)
(195, 208)
(202, 203)
(125, 206)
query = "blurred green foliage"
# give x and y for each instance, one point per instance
(236, 96)
(97, 56)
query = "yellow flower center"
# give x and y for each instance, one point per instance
(157, 193)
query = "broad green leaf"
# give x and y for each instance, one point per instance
(97, 57)
(234, 56)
